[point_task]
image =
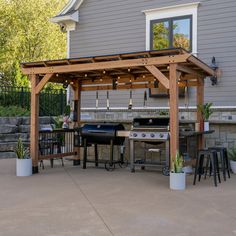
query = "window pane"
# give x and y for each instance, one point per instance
(182, 32)
(160, 33)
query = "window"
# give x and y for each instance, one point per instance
(172, 26)
(171, 33)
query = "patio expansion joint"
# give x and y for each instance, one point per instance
(90, 203)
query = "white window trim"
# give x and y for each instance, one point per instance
(173, 11)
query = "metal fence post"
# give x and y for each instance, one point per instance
(61, 101)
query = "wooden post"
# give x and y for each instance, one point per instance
(34, 124)
(174, 112)
(200, 101)
(77, 99)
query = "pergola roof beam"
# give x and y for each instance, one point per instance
(201, 65)
(107, 65)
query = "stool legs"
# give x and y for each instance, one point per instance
(212, 159)
(226, 159)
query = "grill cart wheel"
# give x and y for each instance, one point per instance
(109, 166)
(166, 171)
(123, 164)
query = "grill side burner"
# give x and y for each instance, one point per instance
(102, 134)
(152, 131)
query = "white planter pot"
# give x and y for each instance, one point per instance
(177, 181)
(23, 167)
(206, 126)
(233, 166)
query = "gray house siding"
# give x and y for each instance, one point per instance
(115, 26)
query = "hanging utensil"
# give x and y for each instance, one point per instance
(108, 101)
(96, 99)
(186, 96)
(130, 100)
(145, 98)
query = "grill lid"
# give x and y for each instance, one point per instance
(102, 133)
(157, 122)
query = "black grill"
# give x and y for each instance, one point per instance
(102, 134)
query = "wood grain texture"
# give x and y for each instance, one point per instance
(174, 112)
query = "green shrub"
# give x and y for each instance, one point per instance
(232, 154)
(13, 111)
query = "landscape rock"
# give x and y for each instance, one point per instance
(24, 128)
(7, 129)
(4, 155)
(13, 137)
(10, 120)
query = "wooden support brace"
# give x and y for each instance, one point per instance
(159, 75)
(43, 82)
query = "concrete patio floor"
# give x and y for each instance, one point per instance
(71, 201)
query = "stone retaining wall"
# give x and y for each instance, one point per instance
(11, 129)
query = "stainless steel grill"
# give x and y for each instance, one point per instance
(153, 131)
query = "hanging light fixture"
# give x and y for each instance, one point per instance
(214, 67)
(65, 84)
(156, 83)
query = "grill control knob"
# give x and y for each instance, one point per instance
(161, 135)
(152, 135)
(143, 135)
(135, 135)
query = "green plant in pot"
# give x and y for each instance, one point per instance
(23, 160)
(206, 112)
(232, 156)
(177, 175)
(177, 164)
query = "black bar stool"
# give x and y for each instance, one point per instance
(210, 156)
(224, 160)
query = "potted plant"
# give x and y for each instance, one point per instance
(177, 175)
(206, 112)
(232, 155)
(23, 160)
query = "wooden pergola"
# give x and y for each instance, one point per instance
(173, 68)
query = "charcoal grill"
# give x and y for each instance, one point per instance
(102, 134)
(150, 131)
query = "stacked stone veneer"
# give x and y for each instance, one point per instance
(223, 121)
(11, 129)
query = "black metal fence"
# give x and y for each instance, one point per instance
(52, 101)
(56, 143)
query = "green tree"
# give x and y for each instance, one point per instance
(27, 35)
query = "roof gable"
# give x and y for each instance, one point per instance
(72, 5)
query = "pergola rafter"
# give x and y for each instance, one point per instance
(173, 68)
